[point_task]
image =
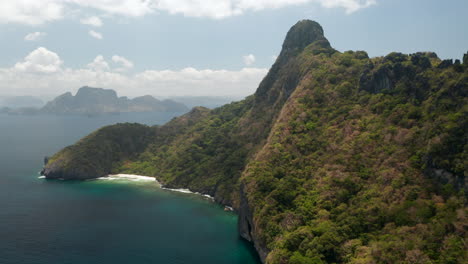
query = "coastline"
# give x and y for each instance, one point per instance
(141, 178)
(130, 177)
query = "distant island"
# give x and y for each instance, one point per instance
(91, 101)
(21, 101)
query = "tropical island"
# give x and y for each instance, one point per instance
(336, 158)
(93, 101)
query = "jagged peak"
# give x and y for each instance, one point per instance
(301, 35)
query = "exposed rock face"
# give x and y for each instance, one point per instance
(247, 228)
(90, 100)
(300, 36)
(445, 64)
(378, 80)
(410, 77)
(422, 59)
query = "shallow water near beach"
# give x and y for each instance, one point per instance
(100, 221)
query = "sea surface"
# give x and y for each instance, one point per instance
(101, 221)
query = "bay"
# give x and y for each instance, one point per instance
(72, 222)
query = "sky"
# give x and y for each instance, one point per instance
(199, 47)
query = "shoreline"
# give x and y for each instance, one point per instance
(140, 178)
(130, 177)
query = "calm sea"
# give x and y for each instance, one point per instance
(57, 222)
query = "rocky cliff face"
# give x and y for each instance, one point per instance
(337, 158)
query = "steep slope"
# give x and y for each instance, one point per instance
(363, 165)
(90, 100)
(337, 158)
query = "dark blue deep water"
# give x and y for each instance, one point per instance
(57, 222)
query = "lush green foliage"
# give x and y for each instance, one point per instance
(345, 176)
(208, 156)
(97, 154)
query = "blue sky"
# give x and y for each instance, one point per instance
(200, 47)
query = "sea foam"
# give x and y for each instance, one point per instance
(140, 178)
(188, 191)
(128, 177)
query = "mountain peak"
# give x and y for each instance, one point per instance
(87, 91)
(301, 35)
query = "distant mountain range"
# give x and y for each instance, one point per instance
(21, 101)
(89, 100)
(206, 101)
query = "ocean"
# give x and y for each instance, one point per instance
(101, 221)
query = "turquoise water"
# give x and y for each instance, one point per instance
(47, 222)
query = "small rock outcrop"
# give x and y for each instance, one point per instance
(445, 64)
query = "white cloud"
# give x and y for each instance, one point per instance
(123, 62)
(249, 59)
(95, 34)
(349, 5)
(99, 64)
(132, 8)
(92, 21)
(42, 73)
(32, 12)
(38, 12)
(191, 81)
(219, 9)
(40, 60)
(34, 36)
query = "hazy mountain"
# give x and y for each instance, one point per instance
(205, 101)
(21, 101)
(90, 100)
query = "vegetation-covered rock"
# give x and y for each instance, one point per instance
(337, 158)
(97, 154)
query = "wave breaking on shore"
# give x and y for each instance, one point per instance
(128, 177)
(141, 178)
(189, 192)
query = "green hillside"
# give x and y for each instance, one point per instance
(337, 157)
